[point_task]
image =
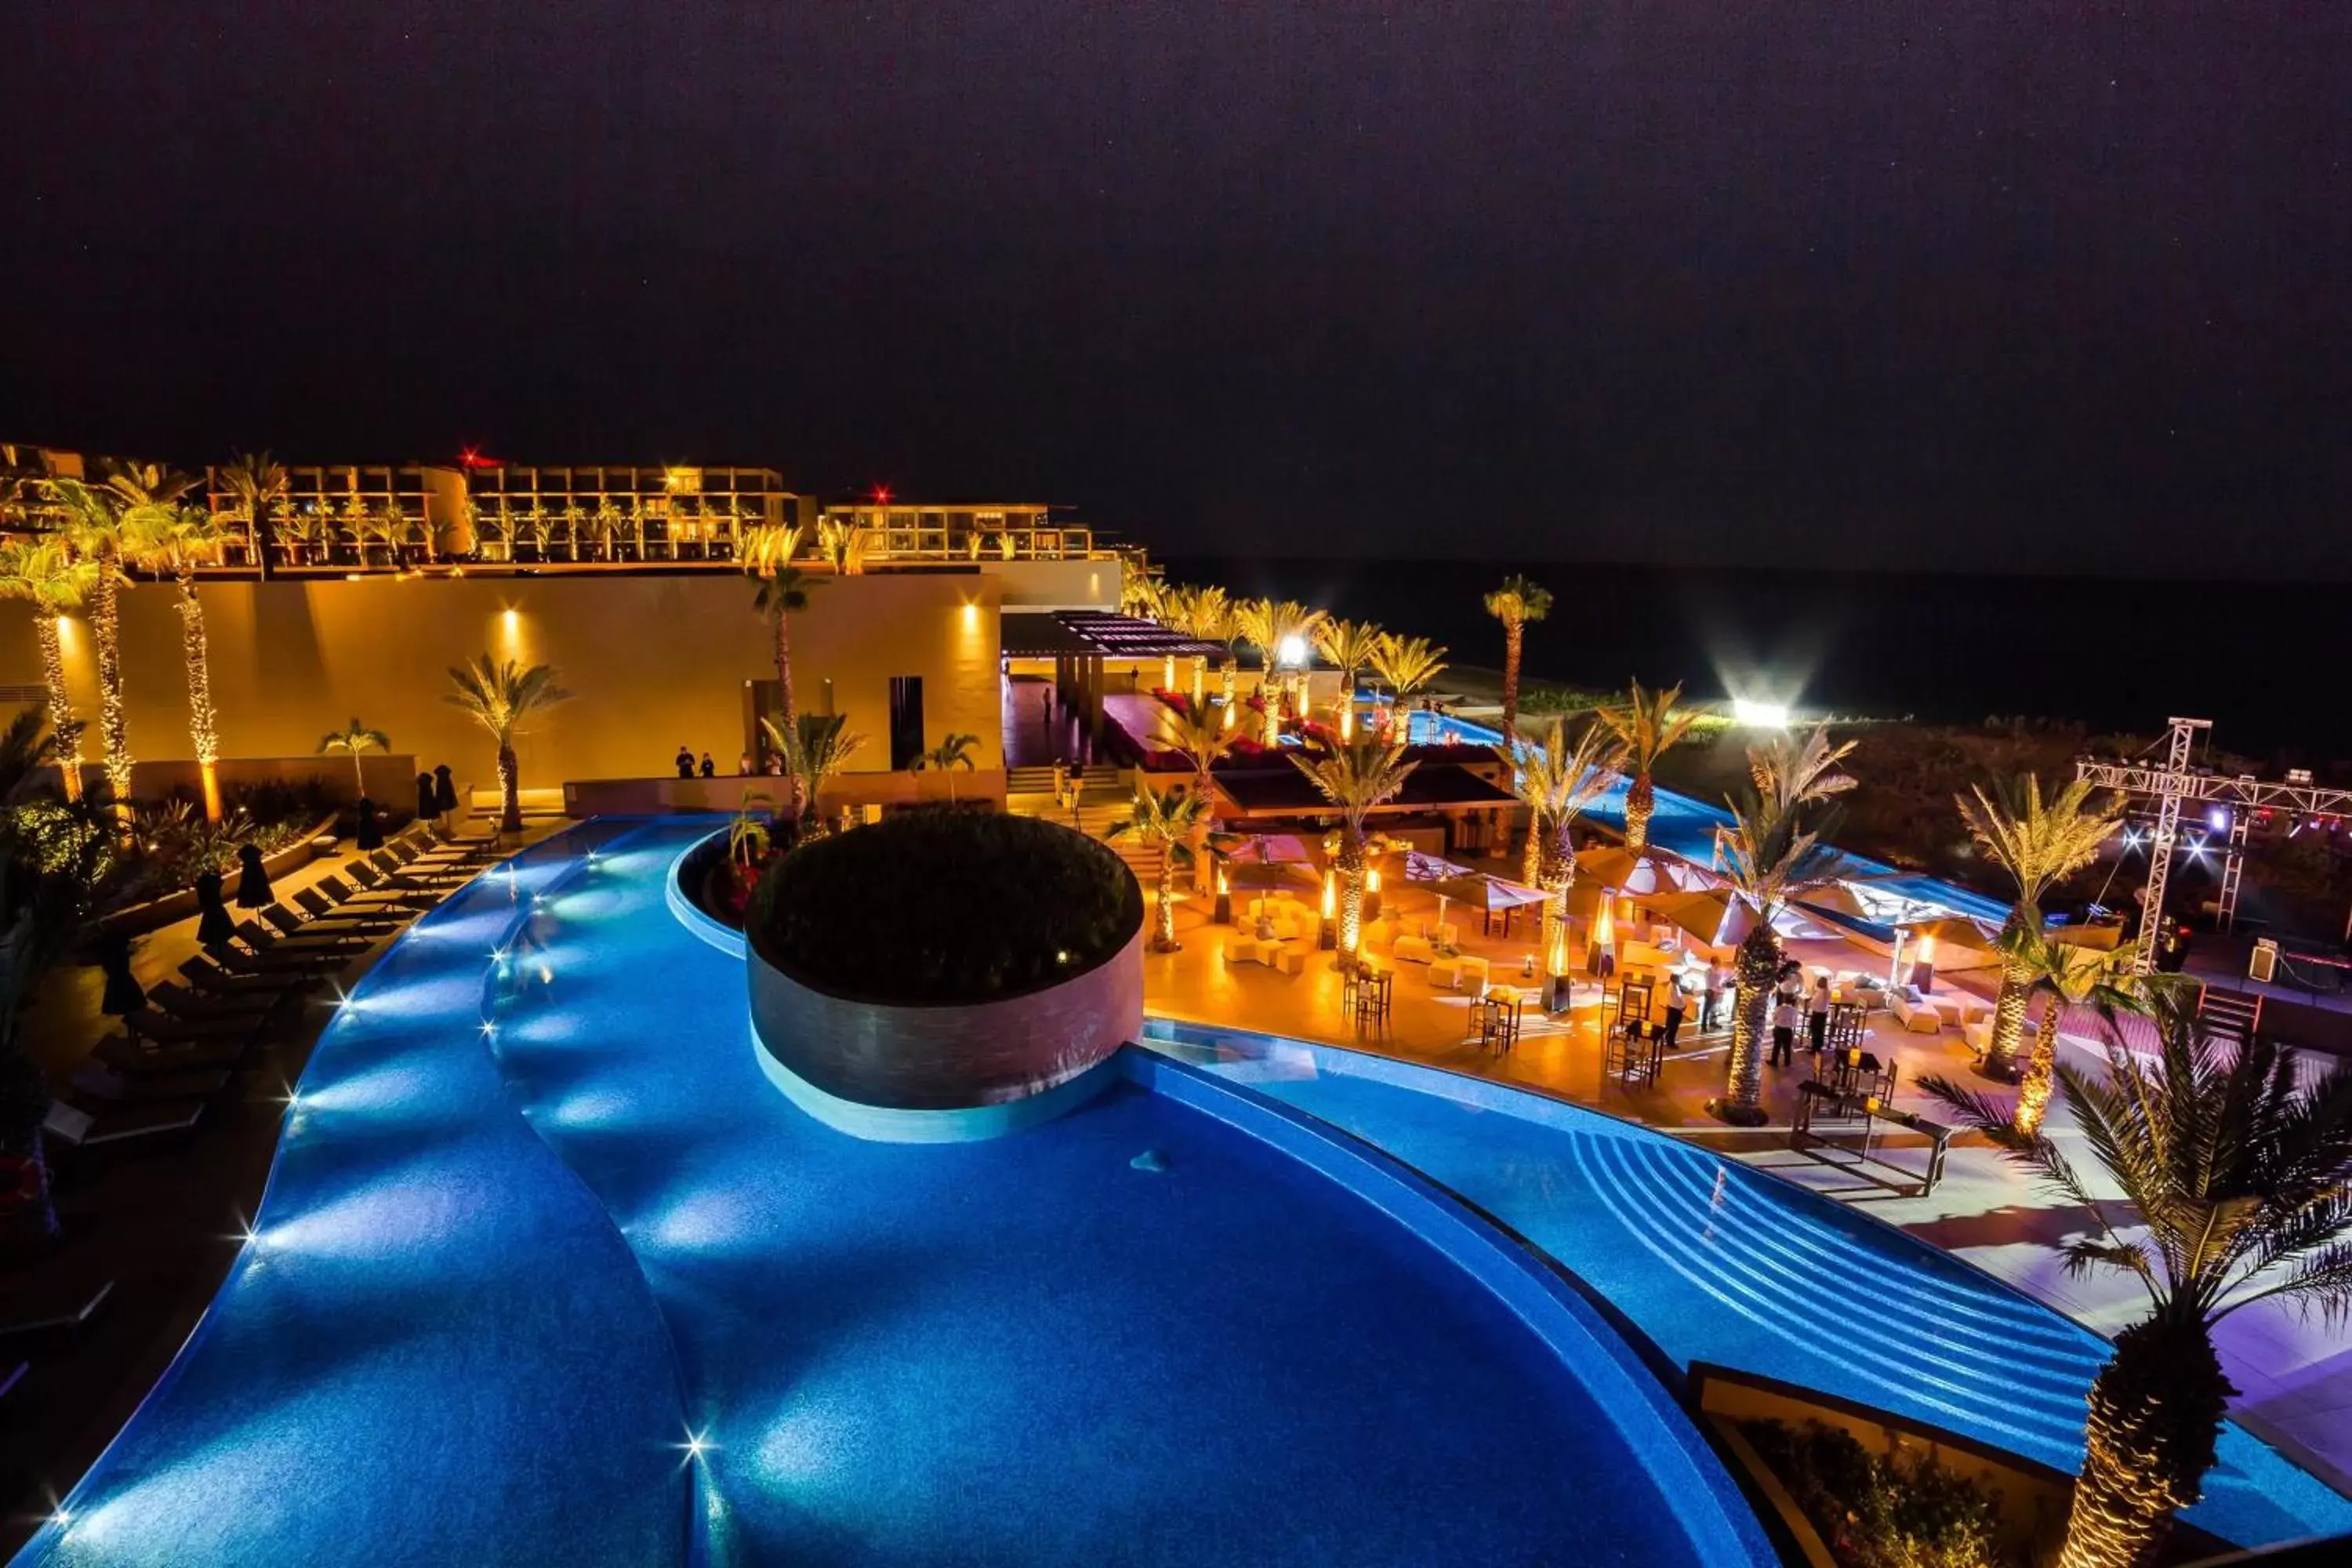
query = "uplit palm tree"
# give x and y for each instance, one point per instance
(768, 552)
(94, 532)
(1405, 664)
(2037, 842)
(147, 484)
(1770, 857)
(499, 695)
(1140, 594)
(1350, 645)
(950, 754)
(2240, 1185)
(843, 545)
(357, 739)
(173, 541)
(1202, 742)
(1355, 776)
(2064, 975)
(1166, 818)
(1651, 725)
(1519, 601)
(815, 748)
(1557, 781)
(257, 487)
(57, 583)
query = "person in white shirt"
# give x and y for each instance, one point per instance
(1784, 1032)
(1709, 996)
(1816, 1017)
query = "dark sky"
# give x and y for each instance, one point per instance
(1908, 282)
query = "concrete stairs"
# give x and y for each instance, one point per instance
(1029, 791)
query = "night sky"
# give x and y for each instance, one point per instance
(2037, 287)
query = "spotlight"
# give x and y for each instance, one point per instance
(697, 1443)
(1760, 715)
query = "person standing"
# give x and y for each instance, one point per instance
(1817, 1019)
(1675, 1002)
(743, 768)
(1710, 997)
(709, 769)
(685, 762)
(1784, 1032)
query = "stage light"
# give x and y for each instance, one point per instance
(1291, 650)
(2218, 818)
(1762, 715)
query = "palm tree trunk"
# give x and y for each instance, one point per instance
(1352, 892)
(1164, 935)
(1531, 853)
(62, 722)
(1641, 802)
(2156, 1412)
(113, 724)
(265, 540)
(2041, 1066)
(1512, 634)
(1198, 841)
(794, 799)
(1759, 962)
(202, 733)
(359, 777)
(2009, 1005)
(509, 790)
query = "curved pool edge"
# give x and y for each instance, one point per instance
(1675, 1455)
(47, 1543)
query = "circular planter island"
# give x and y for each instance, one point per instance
(944, 975)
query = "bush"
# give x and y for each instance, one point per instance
(938, 905)
(1882, 1511)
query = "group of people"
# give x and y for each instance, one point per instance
(1791, 1005)
(745, 765)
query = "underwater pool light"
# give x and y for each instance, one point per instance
(697, 1443)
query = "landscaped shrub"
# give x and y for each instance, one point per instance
(937, 906)
(1881, 1510)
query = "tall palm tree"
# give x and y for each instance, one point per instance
(1651, 725)
(843, 545)
(173, 541)
(1202, 742)
(768, 552)
(1557, 781)
(950, 754)
(2037, 842)
(1350, 645)
(1519, 601)
(499, 695)
(356, 738)
(2239, 1186)
(1355, 776)
(817, 747)
(1770, 857)
(48, 573)
(94, 532)
(1405, 664)
(1167, 819)
(258, 488)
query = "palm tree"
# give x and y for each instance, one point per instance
(1350, 645)
(1651, 725)
(1557, 781)
(355, 740)
(48, 575)
(94, 532)
(1770, 857)
(767, 552)
(1355, 775)
(258, 488)
(500, 696)
(1140, 594)
(815, 748)
(2065, 976)
(1167, 819)
(950, 754)
(843, 545)
(1203, 742)
(2240, 1190)
(175, 541)
(1407, 664)
(2037, 842)
(1519, 601)
(147, 484)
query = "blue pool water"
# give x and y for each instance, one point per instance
(1717, 1263)
(1687, 828)
(546, 1272)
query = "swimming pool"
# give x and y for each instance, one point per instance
(1688, 828)
(546, 1271)
(1715, 1262)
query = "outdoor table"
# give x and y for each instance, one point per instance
(1817, 1101)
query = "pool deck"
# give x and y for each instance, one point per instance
(2295, 1377)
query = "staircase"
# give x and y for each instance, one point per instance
(2229, 1015)
(1029, 791)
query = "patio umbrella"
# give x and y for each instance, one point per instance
(1837, 898)
(1716, 917)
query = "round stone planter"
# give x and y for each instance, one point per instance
(949, 1071)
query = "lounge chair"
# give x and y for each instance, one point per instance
(379, 894)
(148, 1024)
(38, 1307)
(324, 912)
(79, 1129)
(210, 978)
(126, 1055)
(182, 1002)
(289, 923)
(261, 941)
(100, 1082)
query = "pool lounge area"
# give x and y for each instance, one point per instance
(547, 1271)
